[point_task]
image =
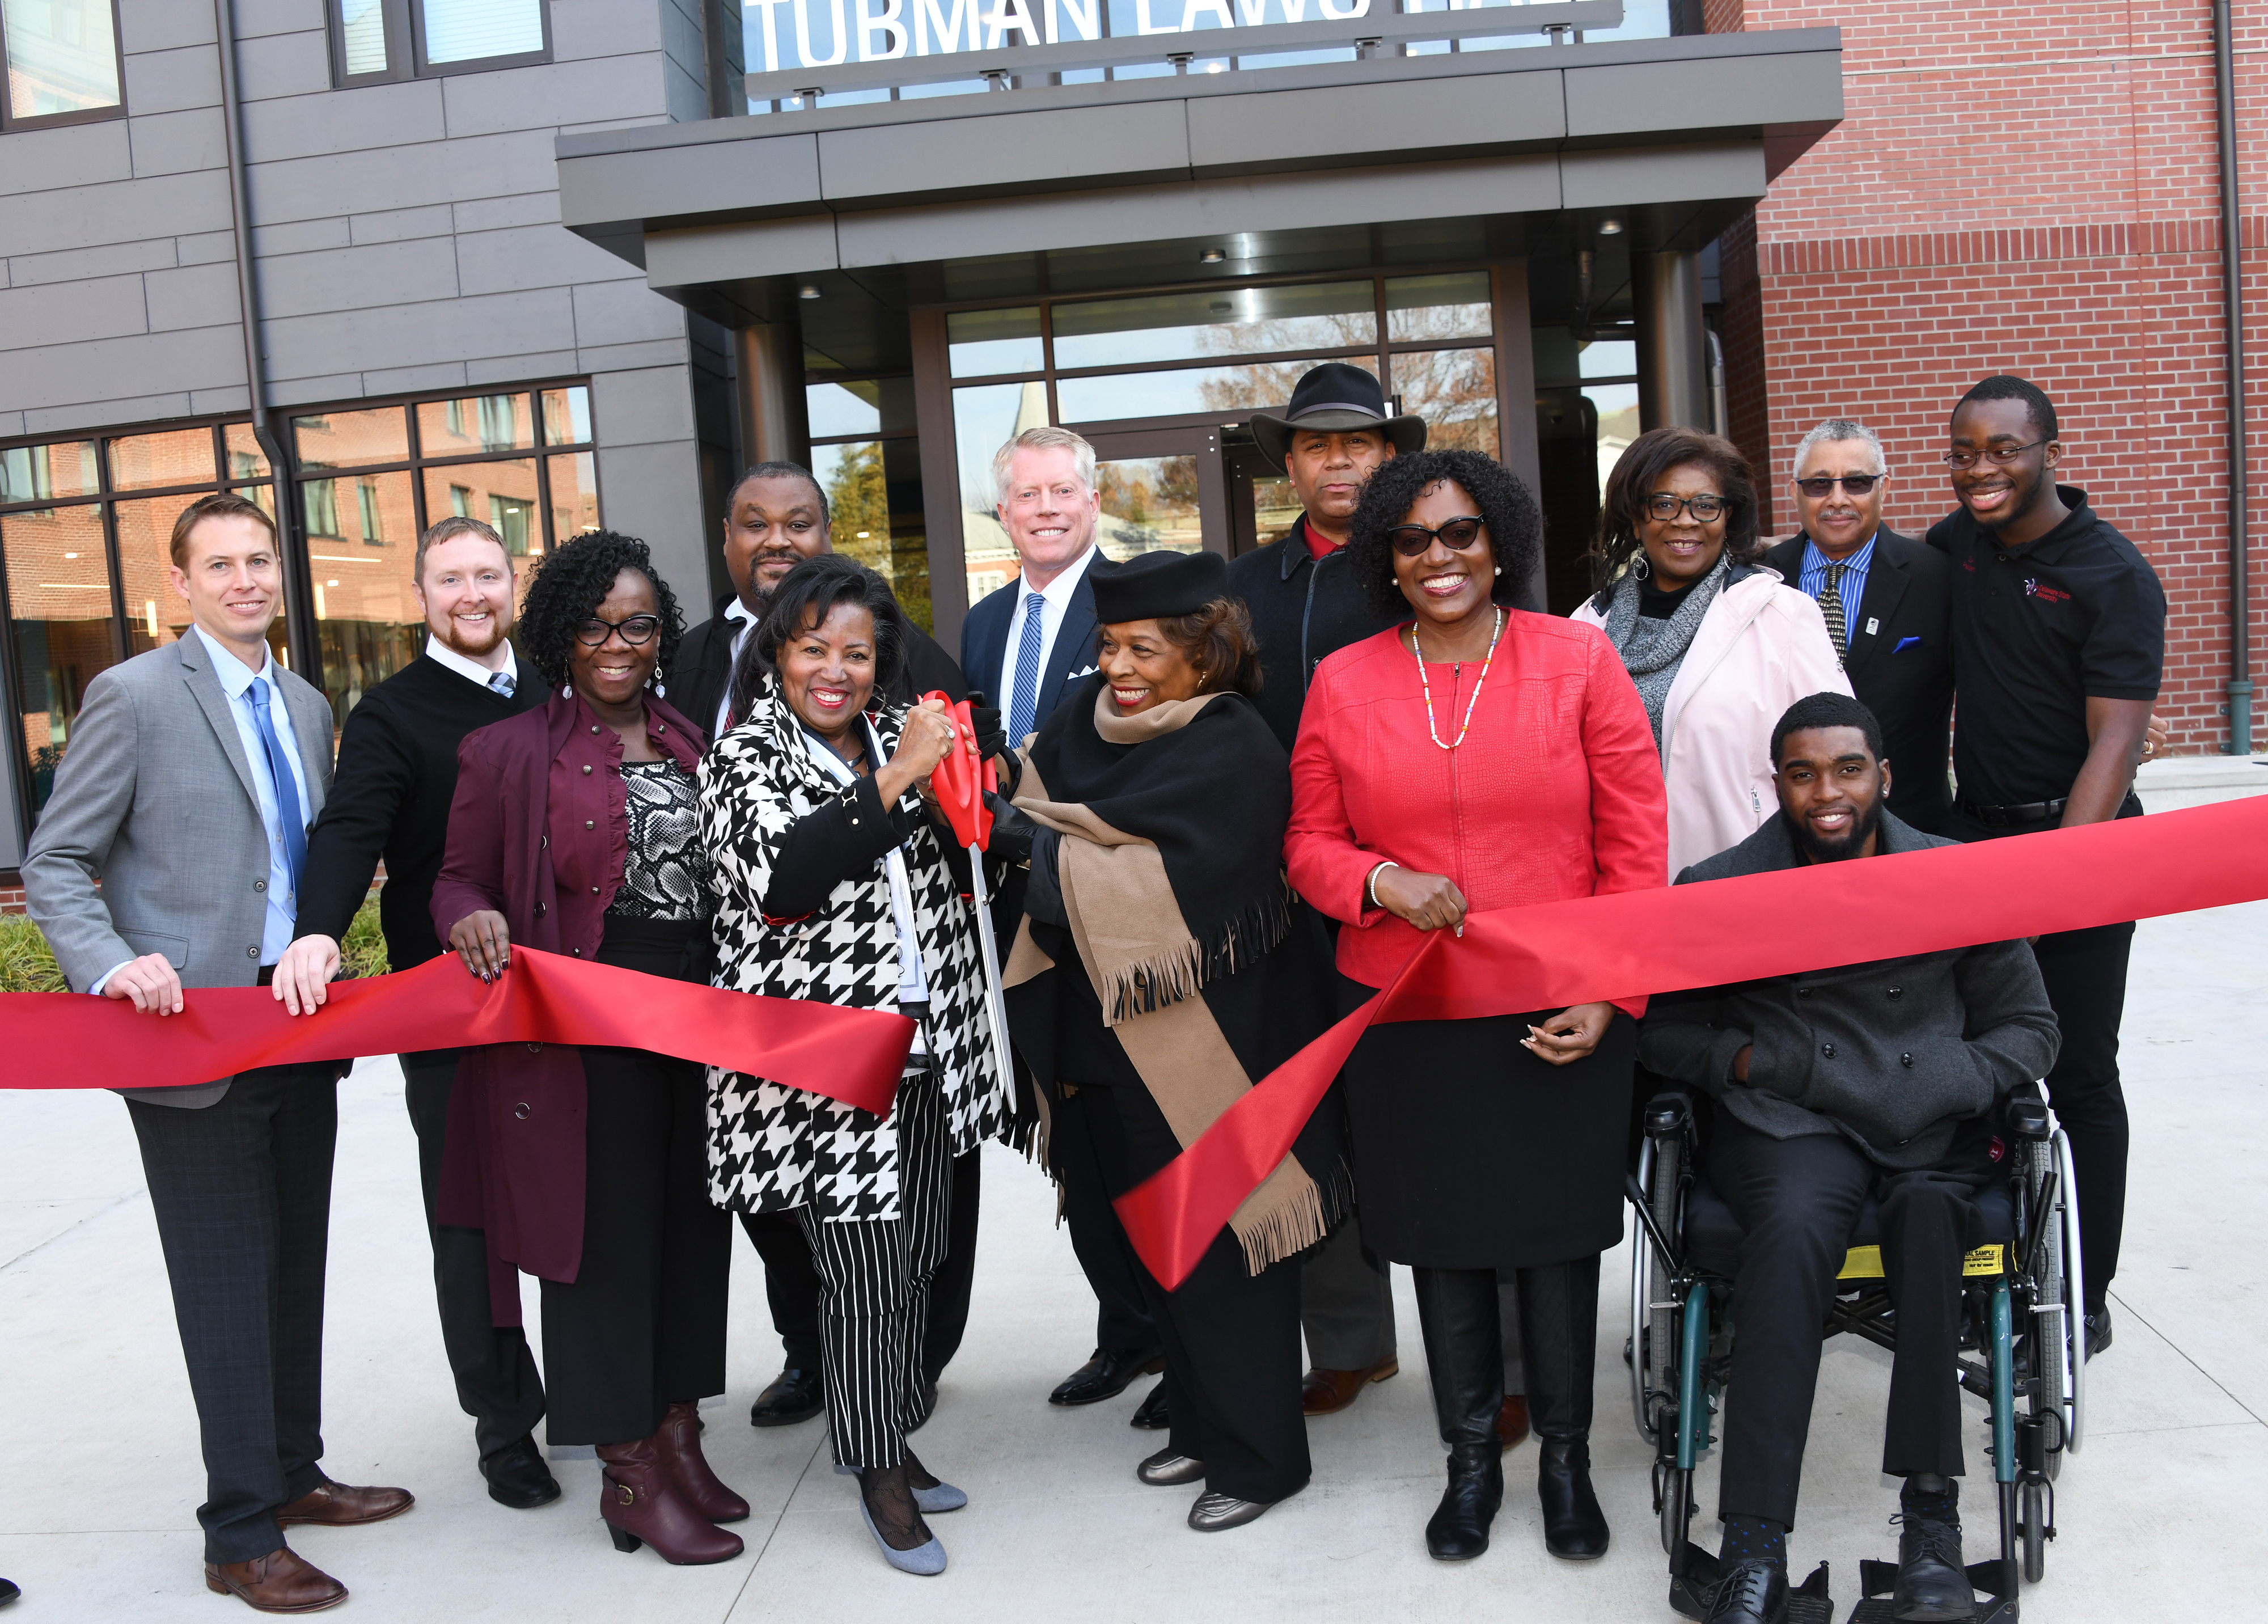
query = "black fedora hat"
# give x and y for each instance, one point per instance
(1334, 396)
(1156, 586)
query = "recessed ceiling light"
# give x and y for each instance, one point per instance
(1611, 227)
(1211, 257)
(809, 290)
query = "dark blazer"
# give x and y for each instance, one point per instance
(1303, 609)
(539, 831)
(1903, 669)
(702, 673)
(984, 644)
(1889, 1055)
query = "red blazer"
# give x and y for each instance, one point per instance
(539, 831)
(1555, 792)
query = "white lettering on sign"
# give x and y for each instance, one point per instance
(886, 30)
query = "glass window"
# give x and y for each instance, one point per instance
(469, 30)
(1227, 393)
(362, 37)
(1175, 327)
(842, 409)
(62, 58)
(181, 457)
(59, 608)
(500, 495)
(1429, 309)
(367, 623)
(479, 423)
(1149, 504)
(34, 473)
(1455, 392)
(155, 613)
(567, 416)
(1608, 357)
(351, 438)
(874, 506)
(574, 483)
(985, 419)
(984, 343)
(245, 459)
(1616, 405)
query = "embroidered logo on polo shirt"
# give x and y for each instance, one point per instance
(2033, 589)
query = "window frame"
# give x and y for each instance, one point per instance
(405, 46)
(10, 123)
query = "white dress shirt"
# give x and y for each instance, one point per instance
(745, 618)
(1056, 603)
(471, 669)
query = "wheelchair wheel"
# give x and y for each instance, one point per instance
(1654, 1329)
(2049, 1348)
(1677, 1510)
(2032, 1530)
(1641, 1275)
(2075, 1294)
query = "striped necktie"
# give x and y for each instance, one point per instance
(1025, 698)
(1830, 605)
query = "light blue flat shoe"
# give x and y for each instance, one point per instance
(928, 1502)
(925, 1560)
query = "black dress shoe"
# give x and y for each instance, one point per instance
(1751, 1593)
(8, 1593)
(1932, 1584)
(794, 1396)
(1109, 1373)
(1458, 1531)
(1152, 1416)
(1573, 1525)
(518, 1477)
(2098, 1330)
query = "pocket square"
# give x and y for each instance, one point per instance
(1091, 670)
(1906, 643)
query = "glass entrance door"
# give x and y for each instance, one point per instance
(1160, 489)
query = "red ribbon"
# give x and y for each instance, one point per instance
(69, 1040)
(1635, 943)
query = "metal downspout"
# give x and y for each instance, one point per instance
(2232, 275)
(298, 595)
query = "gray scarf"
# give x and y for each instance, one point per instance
(1652, 650)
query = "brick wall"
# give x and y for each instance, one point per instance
(2000, 199)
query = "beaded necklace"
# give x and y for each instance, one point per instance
(1431, 731)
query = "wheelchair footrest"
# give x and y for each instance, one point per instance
(1693, 1587)
(1996, 1579)
(1876, 1610)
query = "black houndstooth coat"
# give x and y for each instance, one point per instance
(773, 1148)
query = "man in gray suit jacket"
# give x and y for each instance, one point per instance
(1868, 1080)
(169, 856)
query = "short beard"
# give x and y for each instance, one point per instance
(453, 640)
(2027, 497)
(1835, 850)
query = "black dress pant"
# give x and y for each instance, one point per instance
(642, 1325)
(1798, 1202)
(1232, 1337)
(2086, 975)
(1462, 1315)
(241, 1191)
(497, 1384)
(792, 1283)
(1122, 1314)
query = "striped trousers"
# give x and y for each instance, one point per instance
(873, 1290)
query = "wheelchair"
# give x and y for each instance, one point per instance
(2022, 1351)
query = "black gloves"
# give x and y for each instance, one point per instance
(992, 730)
(1012, 833)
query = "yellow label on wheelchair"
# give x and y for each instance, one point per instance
(1865, 1262)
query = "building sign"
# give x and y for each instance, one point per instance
(824, 33)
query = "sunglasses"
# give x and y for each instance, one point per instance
(1857, 484)
(636, 631)
(1410, 540)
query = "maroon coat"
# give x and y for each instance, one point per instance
(539, 831)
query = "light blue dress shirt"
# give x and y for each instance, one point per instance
(1813, 579)
(236, 680)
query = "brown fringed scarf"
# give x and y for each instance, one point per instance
(1171, 874)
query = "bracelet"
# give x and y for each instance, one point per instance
(1370, 886)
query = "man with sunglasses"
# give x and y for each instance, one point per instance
(1883, 597)
(2058, 647)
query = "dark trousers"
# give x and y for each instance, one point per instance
(241, 1191)
(874, 1282)
(1232, 1337)
(642, 1325)
(1123, 1316)
(2086, 975)
(1554, 1320)
(792, 1283)
(1798, 1202)
(498, 1385)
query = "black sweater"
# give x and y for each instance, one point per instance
(389, 797)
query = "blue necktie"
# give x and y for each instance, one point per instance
(287, 787)
(1026, 698)
(503, 683)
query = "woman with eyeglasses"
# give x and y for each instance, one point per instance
(1718, 646)
(1479, 756)
(576, 830)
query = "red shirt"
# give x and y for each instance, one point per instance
(1555, 792)
(1318, 546)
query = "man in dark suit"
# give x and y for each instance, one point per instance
(170, 856)
(1025, 641)
(1887, 605)
(775, 517)
(397, 773)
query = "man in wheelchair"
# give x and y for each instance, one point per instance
(1875, 1080)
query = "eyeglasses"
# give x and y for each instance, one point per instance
(2002, 454)
(1857, 484)
(1410, 540)
(636, 631)
(1663, 506)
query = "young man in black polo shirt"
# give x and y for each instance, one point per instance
(2058, 645)
(397, 773)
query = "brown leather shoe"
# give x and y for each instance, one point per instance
(1327, 1393)
(341, 1505)
(1512, 1421)
(678, 1443)
(279, 1581)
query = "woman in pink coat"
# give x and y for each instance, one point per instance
(1718, 646)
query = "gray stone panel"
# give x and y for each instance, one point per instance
(162, 24)
(654, 493)
(299, 237)
(401, 224)
(770, 172)
(294, 392)
(415, 380)
(1042, 147)
(287, 64)
(169, 81)
(42, 160)
(1617, 177)
(1639, 97)
(574, 93)
(201, 295)
(213, 402)
(640, 408)
(446, 330)
(81, 416)
(404, 177)
(204, 248)
(586, 28)
(522, 368)
(99, 308)
(699, 253)
(531, 256)
(123, 211)
(654, 352)
(111, 260)
(624, 313)
(1227, 133)
(367, 117)
(61, 376)
(298, 285)
(483, 214)
(255, 19)
(177, 143)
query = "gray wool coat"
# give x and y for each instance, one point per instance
(1890, 1054)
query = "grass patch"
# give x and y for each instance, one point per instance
(27, 966)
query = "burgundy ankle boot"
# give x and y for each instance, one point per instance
(679, 1440)
(641, 1505)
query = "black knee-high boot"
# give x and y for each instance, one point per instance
(1559, 1336)
(1457, 1310)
